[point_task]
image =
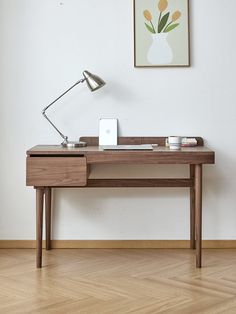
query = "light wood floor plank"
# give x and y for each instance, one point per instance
(117, 281)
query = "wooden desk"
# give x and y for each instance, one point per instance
(55, 166)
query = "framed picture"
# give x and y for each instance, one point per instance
(161, 33)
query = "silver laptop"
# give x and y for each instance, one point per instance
(127, 147)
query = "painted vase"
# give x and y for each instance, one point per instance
(160, 51)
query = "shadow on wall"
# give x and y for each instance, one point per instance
(120, 93)
(98, 201)
(218, 190)
(101, 207)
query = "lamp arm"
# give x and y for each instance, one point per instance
(65, 138)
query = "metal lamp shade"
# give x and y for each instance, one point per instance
(93, 81)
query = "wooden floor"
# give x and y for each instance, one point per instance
(118, 281)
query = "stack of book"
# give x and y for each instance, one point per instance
(188, 142)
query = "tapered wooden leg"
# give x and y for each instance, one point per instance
(192, 210)
(198, 214)
(48, 217)
(39, 225)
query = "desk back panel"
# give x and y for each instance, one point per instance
(161, 141)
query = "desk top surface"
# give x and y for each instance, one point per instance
(159, 155)
(58, 149)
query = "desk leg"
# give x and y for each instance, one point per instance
(39, 225)
(48, 200)
(198, 214)
(192, 209)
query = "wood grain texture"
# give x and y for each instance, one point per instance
(135, 183)
(111, 183)
(159, 155)
(117, 282)
(56, 171)
(39, 225)
(48, 202)
(192, 209)
(56, 166)
(113, 244)
(136, 140)
(198, 214)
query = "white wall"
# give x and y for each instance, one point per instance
(45, 45)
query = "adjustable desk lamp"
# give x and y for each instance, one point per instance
(94, 82)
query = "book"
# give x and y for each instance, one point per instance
(188, 142)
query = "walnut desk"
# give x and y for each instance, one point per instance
(54, 166)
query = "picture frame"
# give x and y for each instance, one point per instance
(161, 33)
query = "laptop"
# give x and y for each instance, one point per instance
(127, 147)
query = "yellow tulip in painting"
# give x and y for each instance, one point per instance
(176, 15)
(162, 5)
(162, 26)
(147, 15)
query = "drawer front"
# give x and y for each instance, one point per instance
(56, 171)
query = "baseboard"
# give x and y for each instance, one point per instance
(118, 244)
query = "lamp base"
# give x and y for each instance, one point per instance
(73, 144)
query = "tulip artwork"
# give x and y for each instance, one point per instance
(161, 33)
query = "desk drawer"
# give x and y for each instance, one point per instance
(56, 171)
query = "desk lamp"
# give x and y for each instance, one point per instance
(94, 82)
